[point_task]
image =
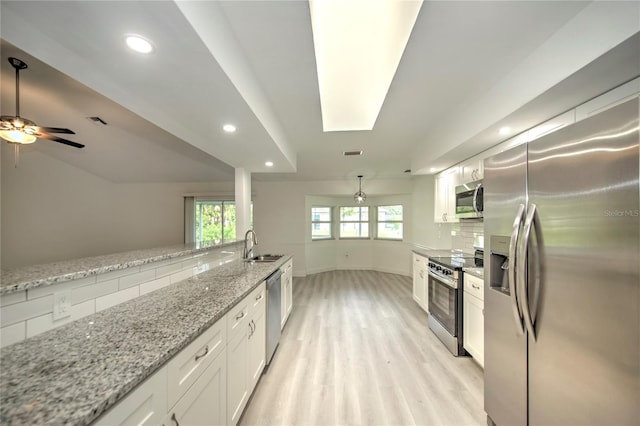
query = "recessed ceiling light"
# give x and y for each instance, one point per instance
(504, 130)
(229, 128)
(138, 43)
(269, 164)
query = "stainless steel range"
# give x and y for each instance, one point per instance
(445, 300)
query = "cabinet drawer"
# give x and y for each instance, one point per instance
(185, 368)
(258, 298)
(237, 318)
(420, 261)
(145, 405)
(287, 266)
(474, 285)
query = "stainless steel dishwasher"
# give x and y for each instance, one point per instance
(274, 300)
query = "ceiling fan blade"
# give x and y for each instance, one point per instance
(60, 140)
(56, 130)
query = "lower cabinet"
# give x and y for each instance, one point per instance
(286, 304)
(237, 376)
(205, 403)
(246, 352)
(208, 382)
(473, 317)
(146, 405)
(420, 280)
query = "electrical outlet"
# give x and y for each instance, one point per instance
(61, 305)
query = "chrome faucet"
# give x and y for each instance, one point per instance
(248, 253)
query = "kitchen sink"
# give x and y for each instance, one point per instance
(264, 258)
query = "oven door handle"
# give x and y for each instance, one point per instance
(453, 284)
(511, 272)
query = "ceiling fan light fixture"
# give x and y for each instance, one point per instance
(17, 136)
(360, 197)
(138, 43)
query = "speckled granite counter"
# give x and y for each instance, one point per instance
(440, 252)
(51, 273)
(74, 373)
(476, 271)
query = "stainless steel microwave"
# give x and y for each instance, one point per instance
(469, 200)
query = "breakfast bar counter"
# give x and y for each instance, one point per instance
(74, 373)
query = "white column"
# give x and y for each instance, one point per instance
(243, 202)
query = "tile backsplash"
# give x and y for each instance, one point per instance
(464, 233)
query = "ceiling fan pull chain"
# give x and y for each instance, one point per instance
(16, 155)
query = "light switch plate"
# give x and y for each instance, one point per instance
(61, 305)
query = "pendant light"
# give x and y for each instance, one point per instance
(360, 196)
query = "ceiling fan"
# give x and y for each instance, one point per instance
(20, 131)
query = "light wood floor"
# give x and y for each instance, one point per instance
(357, 350)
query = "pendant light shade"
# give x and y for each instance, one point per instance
(360, 197)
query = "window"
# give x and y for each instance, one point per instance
(321, 223)
(354, 222)
(389, 222)
(215, 220)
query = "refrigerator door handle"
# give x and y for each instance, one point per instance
(532, 219)
(511, 273)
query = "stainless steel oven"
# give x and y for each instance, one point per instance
(445, 301)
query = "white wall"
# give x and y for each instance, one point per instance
(427, 233)
(282, 216)
(53, 211)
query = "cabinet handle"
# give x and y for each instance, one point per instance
(206, 351)
(240, 315)
(421, 274)
(174, 419)
(444, 217)
(259, 297)
(477, 287)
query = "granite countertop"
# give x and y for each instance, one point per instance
(441, 252)
(27, 277)
(74, 373)
(475, 271)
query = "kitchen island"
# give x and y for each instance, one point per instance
(76, 372)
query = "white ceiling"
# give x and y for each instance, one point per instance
(252, 63)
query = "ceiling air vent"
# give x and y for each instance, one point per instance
(97, 120)
(349, 153)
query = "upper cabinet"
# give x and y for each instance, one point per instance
(445, 196)
(471, 170)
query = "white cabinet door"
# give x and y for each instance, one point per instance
(185, 368)
(256, 346)
(473, 326)
(146, 405)
(471, 170)
(286, 304)
(420, 294)
(237, 375)
(289, 292)
(445, 196)
(205, 402)
(246, 350)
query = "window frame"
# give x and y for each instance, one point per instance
(378, 222)
(223, 203)
(330, 222)
(367, 221)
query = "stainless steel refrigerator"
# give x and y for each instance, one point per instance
(562, 280)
